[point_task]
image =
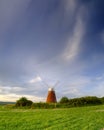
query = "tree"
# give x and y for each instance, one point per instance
(64, 100)
(102, 100)
(23, 101)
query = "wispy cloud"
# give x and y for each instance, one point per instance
(35, 80)
(75, 40)
(70, 5)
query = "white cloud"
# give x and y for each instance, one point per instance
(1, 90)
(75, 40)
(72, 91)
(5, 89)
(8, 89)
(70, 5)
(13, 97)
(8, 93)
(99, 77)
(35, 80)
(17, 89)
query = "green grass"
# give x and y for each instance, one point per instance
(82, 118)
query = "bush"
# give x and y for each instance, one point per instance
(89, 100)
(83, 101)
(93, 100)
(23, 102)
(64, 100)
(102, 100)
(64, 103)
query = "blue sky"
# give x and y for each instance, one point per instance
(49, 41)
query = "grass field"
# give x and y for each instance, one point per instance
(82, 118)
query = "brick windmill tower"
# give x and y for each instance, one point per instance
(51, 97)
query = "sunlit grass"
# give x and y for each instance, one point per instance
(82, 118)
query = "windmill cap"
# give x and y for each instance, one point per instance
(51, 89)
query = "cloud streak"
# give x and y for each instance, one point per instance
(75, 40)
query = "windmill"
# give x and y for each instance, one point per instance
(51, 97)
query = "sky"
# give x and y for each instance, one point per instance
(43, 42)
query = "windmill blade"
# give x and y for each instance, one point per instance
(56, 84)
(42, 80)
(45, 83)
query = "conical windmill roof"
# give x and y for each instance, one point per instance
(51, 89)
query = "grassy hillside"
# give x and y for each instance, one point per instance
(81, 118)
